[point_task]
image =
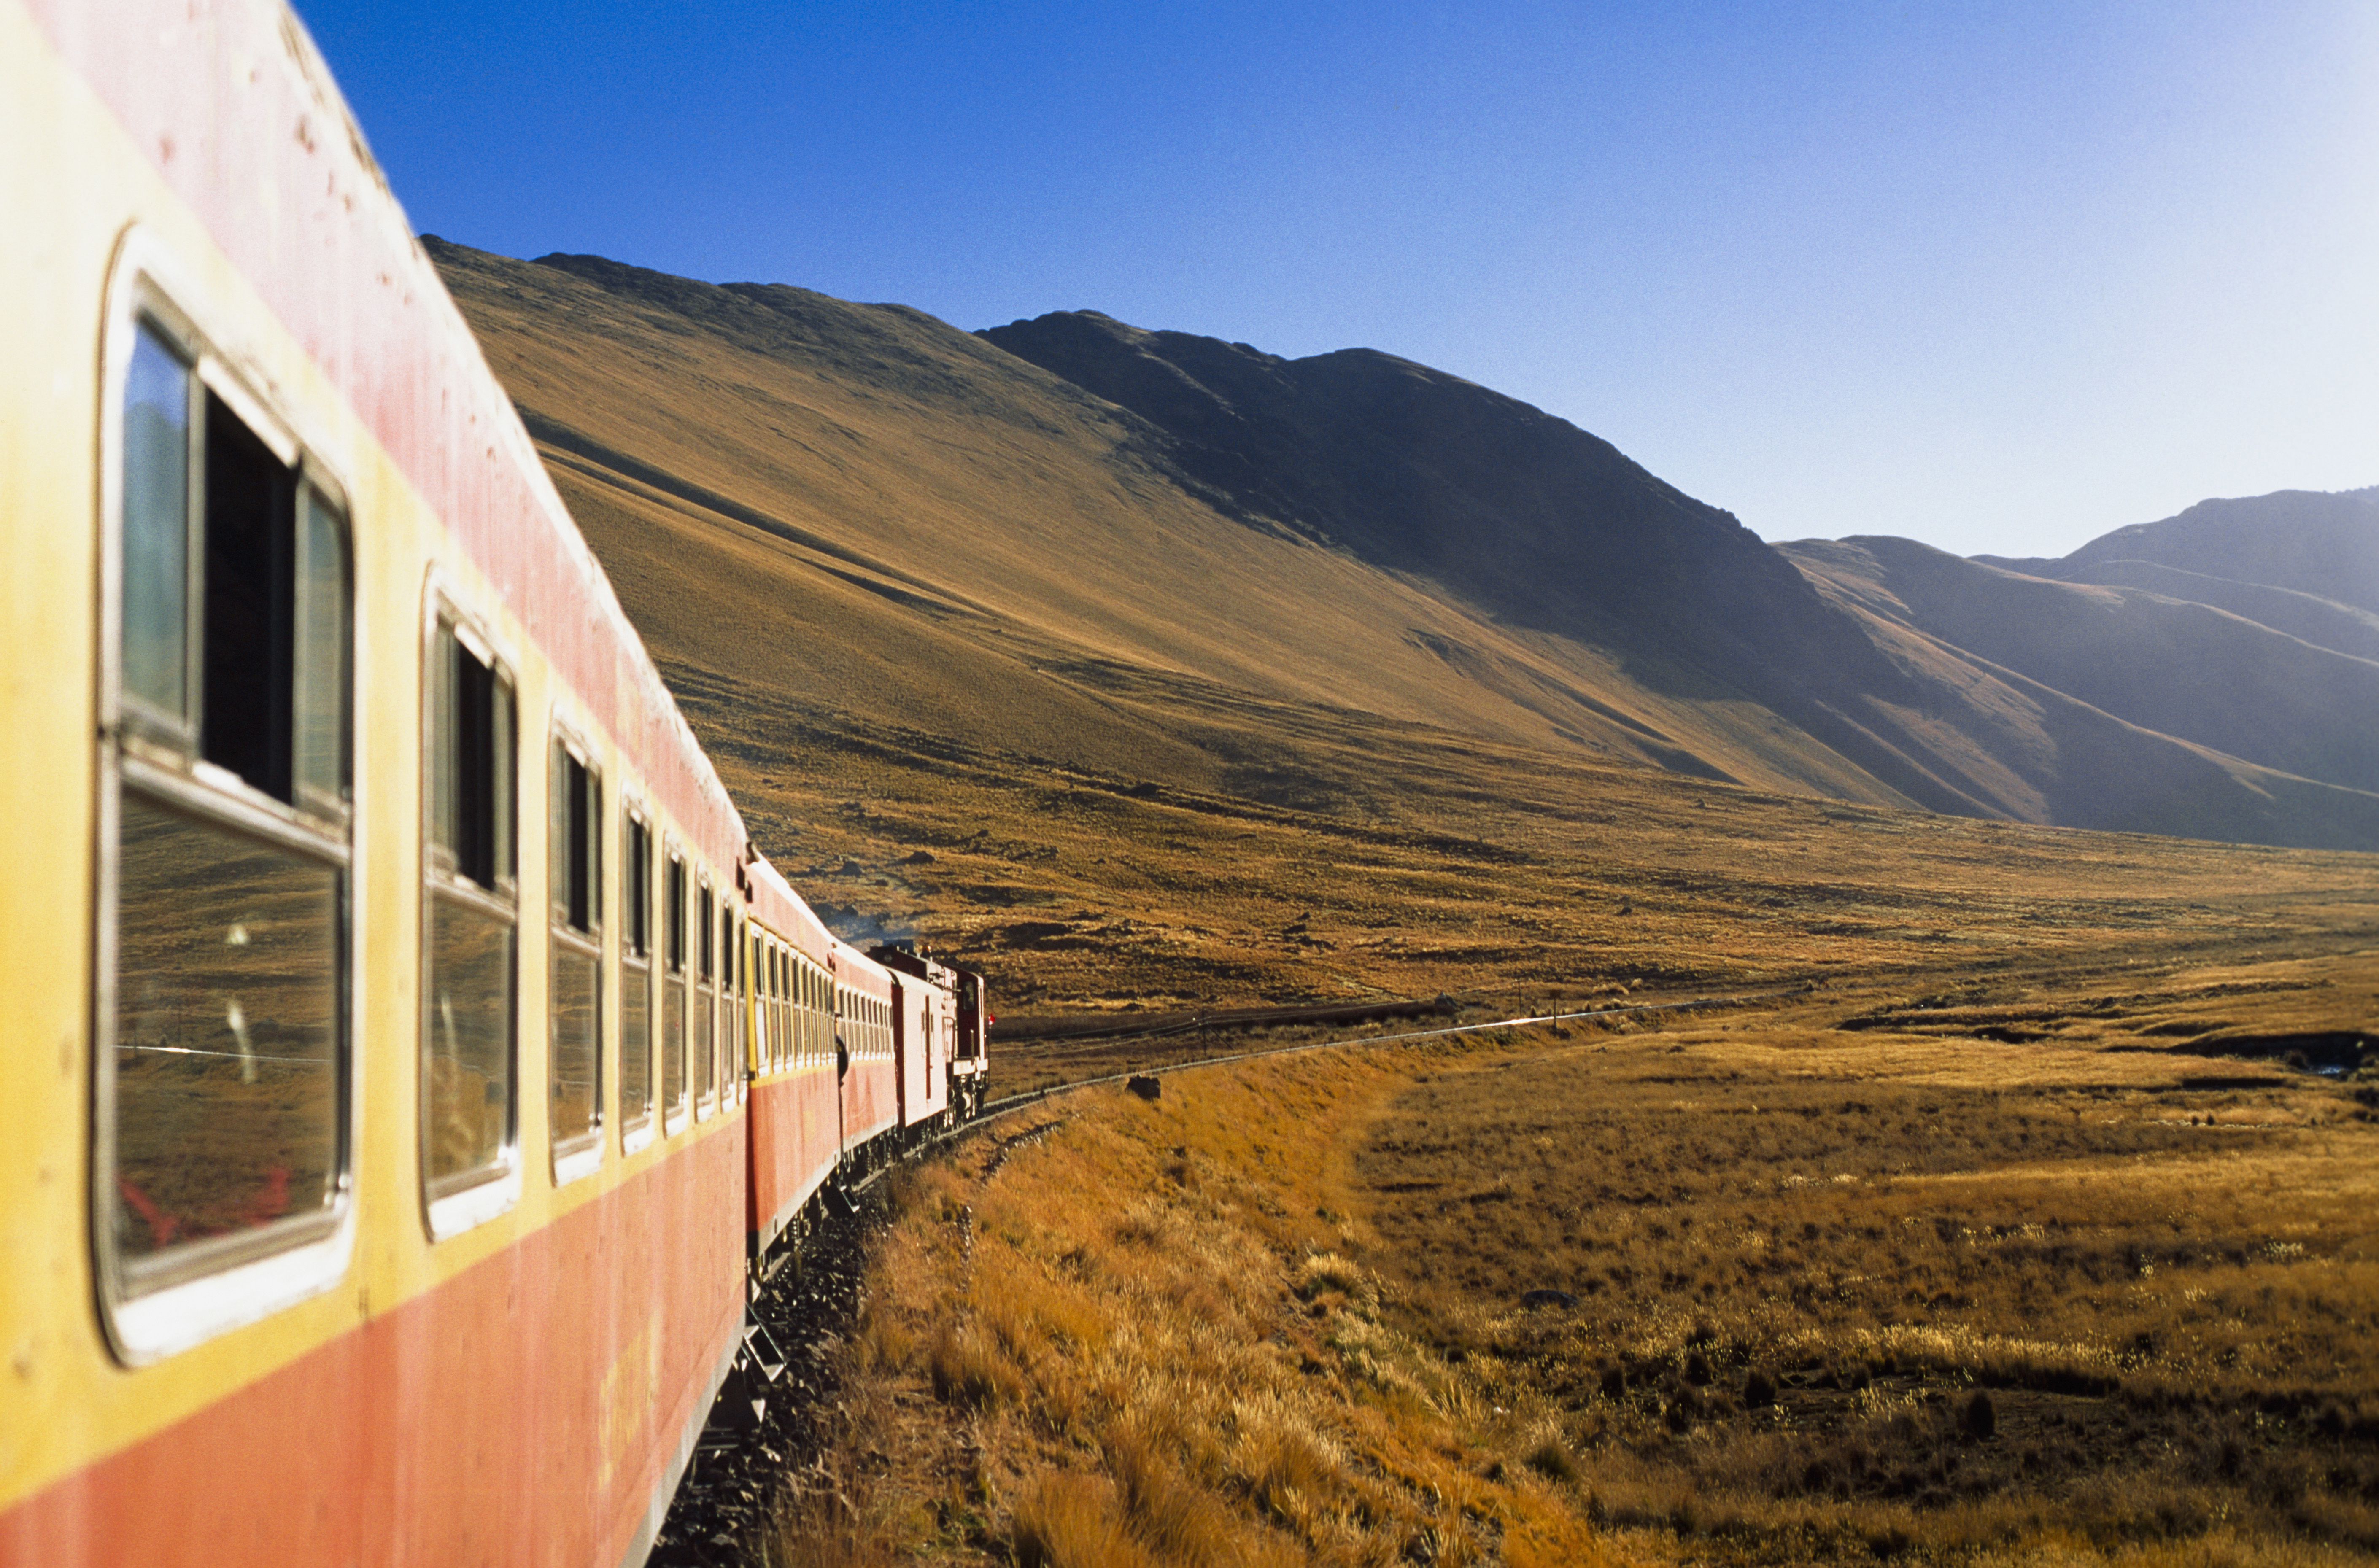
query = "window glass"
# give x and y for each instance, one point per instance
(469, 969)
(227, 1030)
(674, 989)
(319, 745)
(738, 985)
(469, 1046)
(223, 1086)
(706, 1063)
(635, 977)
(576, 1053)
(156, 543)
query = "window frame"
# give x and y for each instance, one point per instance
(217, 1285)
(581, 1154)
(450, 1207)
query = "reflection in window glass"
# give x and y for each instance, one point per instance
(706, 1082)
(469, 1050)
(575, 1047)
(319, 687)
(636, 1042)
(674, 1040)
(705, 1063)
(673, 988)
(222, 1088)
(733, 989)
(227, 1033)
(156, 527)
(469, 966)
(576, 1044)
(635, 978)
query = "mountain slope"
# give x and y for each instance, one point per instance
(2324, 622)
(1540, 524)
(2187, 669)
(2323, 545)
(1311, 582)
(886, 516)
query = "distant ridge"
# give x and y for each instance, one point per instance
(2324, 544)
(1193, 563)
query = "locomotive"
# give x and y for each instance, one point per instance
(413, 1061)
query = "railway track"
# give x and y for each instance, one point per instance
(1011, 1104)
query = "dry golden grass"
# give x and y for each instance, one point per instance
(1438, 865)
(1827, 1285)
(1277, 1316)
(1132, 1341)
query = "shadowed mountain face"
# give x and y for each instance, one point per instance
(1313, 582)
(2325, 546)
(1423, 473)
(2188, 670)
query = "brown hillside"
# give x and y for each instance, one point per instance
(1539, 524)
(860, 508)
(861, 518)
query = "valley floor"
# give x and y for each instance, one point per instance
(2070, 1261)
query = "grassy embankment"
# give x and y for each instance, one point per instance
(2051, 1267)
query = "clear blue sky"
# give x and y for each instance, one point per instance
(2001, 276)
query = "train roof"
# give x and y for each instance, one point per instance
(786, 912)
(856, 968)
(342, 271)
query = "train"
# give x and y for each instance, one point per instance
(414, 1063)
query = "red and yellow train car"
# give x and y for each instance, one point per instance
(393, 996)
(864, 1062)
(796, 1138)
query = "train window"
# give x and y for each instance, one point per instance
(635, 976)
(731, 991)
(746, 1035)
(574, 882)
(706, 1007)
(222, 1077)
(731, 1006)
(469, 962)
(673, 993)
(739, 984)
(767, 1039)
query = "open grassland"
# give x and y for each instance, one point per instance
(2048, 1266)
(1407, 862)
